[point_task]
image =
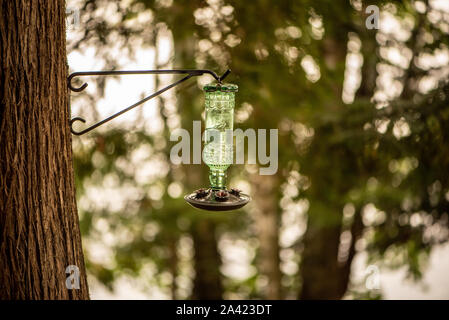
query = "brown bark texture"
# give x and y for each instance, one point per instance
(39, 226)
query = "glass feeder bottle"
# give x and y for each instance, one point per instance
(218, 144)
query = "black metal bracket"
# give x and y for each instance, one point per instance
(188, 72)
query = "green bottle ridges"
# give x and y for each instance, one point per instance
(218, 145)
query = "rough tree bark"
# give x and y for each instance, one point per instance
(39, 229)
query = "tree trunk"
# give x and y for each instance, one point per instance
(319, 268)
(39, 229)
(207, 282)
(321, 273)
(172, 245)
(266, 219)
(207, 261)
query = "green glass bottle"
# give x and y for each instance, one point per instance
(218, 144)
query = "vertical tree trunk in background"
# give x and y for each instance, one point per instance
(207, 282)
(323, 276)
(206, 260)
(266, 219)
(172, 244)
(319, 268)
(321, 273)
(39, 230)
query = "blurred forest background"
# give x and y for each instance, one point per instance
(363, 119)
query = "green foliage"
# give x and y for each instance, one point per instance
(339, 148)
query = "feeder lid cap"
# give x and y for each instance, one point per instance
(223, 87)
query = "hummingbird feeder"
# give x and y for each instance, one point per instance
(218, 146)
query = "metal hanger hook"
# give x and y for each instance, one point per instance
(187, 72)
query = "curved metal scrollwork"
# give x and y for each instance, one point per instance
(188, 72)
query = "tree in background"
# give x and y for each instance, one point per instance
(362, 145)
(39, 227)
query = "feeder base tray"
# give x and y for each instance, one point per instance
(220, 200)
